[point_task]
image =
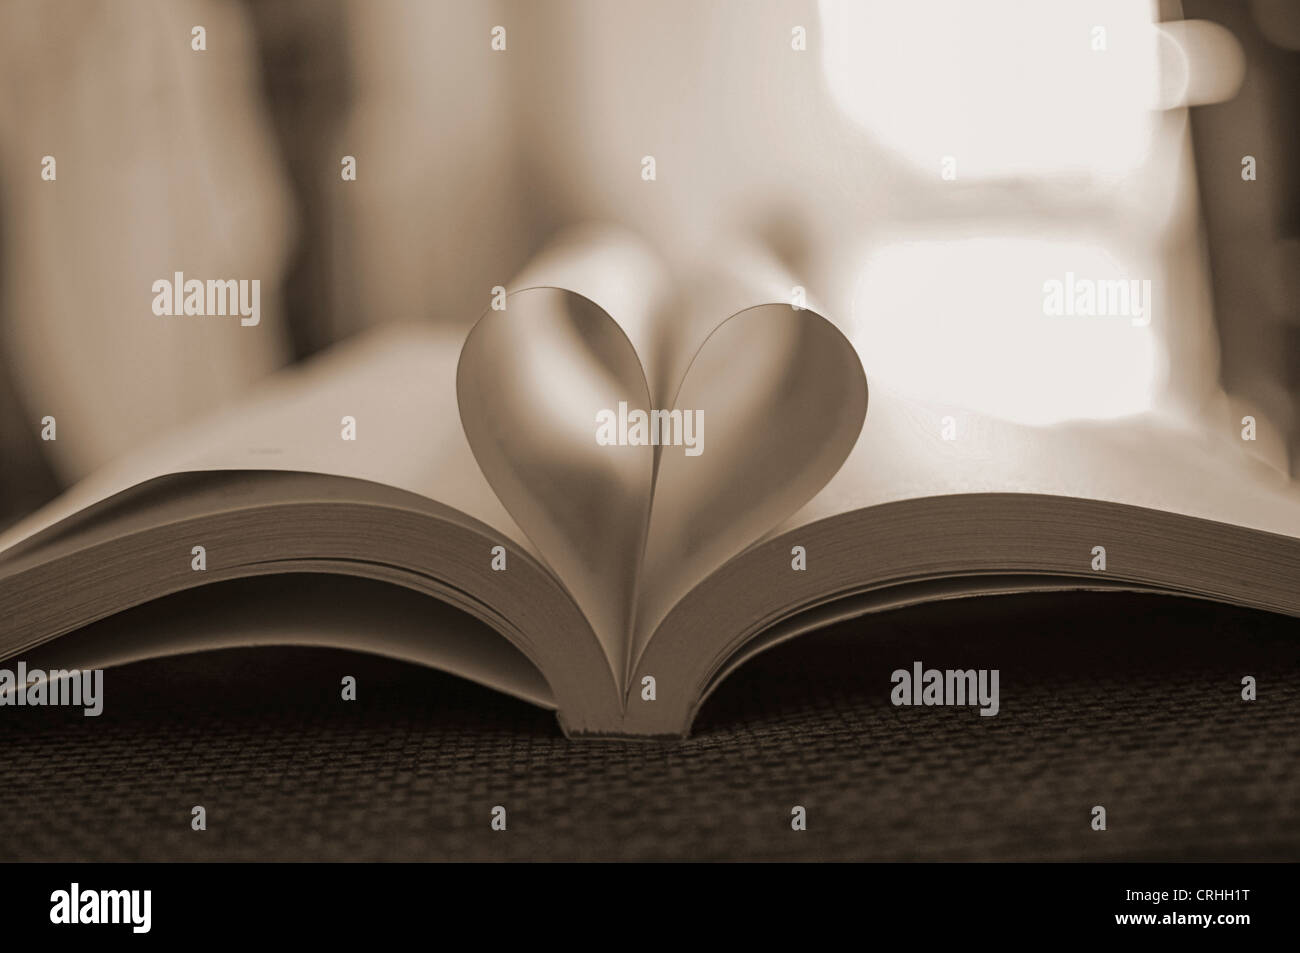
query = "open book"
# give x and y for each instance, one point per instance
(606, 496)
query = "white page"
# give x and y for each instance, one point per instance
(399, 383)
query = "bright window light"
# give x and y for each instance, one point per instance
(978, 323)
(1003, 87)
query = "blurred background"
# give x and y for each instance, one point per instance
(923, 167)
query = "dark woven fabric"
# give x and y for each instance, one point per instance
(1125, 701)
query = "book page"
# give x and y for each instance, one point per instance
(1149, 460)
(381, 407)
(304, 610)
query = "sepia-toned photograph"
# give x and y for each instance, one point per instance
(696, 431)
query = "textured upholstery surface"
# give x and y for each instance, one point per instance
(1125, 701)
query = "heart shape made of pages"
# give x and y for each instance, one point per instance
(779, 398)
